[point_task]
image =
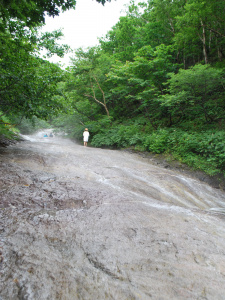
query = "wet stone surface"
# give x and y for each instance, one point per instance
(84, 223)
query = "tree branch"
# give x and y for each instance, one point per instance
(94, 97)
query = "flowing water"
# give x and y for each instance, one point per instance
(85, 223)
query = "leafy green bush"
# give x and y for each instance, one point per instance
(7, 130)
(201, 150)
(196, 93)
(119, 136)
(157, 141)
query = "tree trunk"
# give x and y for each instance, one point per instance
(103, 95)
(220, 55)
(204, 43)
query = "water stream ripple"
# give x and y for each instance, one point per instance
(85, 223)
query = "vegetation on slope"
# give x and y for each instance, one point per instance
(155, 83)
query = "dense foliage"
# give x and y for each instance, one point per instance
(155, 83)
(29, 85)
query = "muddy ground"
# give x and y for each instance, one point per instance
(86, 223)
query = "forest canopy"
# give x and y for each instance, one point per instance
(154, 83)
(29, 83)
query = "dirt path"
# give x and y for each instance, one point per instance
(85, 223)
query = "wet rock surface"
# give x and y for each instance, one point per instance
(168, 162)
(85, 223)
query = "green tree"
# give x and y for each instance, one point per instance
(28, 82)
(196, 93)
(124, 39)
(138, 84)
(32, 12)
(86, 88)
(200, 31)
(160, 21)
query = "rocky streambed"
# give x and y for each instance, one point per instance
(85, 223)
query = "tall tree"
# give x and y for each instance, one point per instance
(196, 93)
(87, 83)
(33, 12)
(201, 28)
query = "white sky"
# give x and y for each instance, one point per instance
(83, 26)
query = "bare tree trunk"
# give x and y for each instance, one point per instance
(94, 96)
(204, 43)
(184, 61)
(219, 52)
(103, 95)
(210, 39)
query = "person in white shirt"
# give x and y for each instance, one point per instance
(85, 136)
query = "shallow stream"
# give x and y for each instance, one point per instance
(86, 223)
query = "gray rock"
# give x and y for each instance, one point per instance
(106, 225)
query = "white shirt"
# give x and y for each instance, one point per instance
(86, 136)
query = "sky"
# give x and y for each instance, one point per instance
(83, 26)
